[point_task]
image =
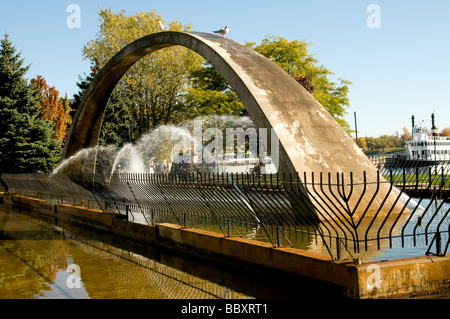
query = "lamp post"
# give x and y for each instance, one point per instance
(417, 156)
(356, 130)
(434, 132)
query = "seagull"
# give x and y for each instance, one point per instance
(161, 26)
(222, 31)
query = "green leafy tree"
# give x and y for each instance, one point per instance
(362, 142)
(154, 89)
(26, 143)
(294, 58)
(211, 94)
(383, 143)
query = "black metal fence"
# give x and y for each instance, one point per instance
(327, 213)
(417, 177)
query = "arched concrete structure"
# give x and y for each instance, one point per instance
(310, 139)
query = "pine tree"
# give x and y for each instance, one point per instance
(26, 145)
(83, 85)
(117, 125)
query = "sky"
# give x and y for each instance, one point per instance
(396, 54)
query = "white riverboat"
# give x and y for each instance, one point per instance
(425, 146)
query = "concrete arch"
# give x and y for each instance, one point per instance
(310, 139)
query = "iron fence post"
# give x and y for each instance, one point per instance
(338, 249)
(429, 177)
(404, 178)
(278, 237)
(152, 216)
(417, 178)
(438, 243)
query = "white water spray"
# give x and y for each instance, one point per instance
(154, 150)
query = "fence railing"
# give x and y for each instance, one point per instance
(415, 176)
(324, 212)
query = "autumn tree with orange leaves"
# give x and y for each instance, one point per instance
(53, 108)
(445, 131)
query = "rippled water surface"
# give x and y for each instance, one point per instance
(37, 261)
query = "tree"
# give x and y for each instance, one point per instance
(117, 122)
(67, 107)
(26, 144)
(362, 142)
(370, 143)
(211, 94)
(52, 109)
(294, 58)
(383, 142)
(153, 90)
(445, 131)
(83, 85)
(406, 135)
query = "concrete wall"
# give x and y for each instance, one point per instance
(388, 279)
(405, 277)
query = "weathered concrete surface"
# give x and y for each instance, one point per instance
(403, 278)
(310, 140)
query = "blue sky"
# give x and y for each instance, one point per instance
(398, 70)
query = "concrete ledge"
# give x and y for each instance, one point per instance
(248, 250)
(84, 216)
(317, 266)
(405, 277)
(137, 232)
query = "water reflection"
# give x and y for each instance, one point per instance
(37, 261)
(374, 239)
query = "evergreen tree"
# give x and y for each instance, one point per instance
(83, 86)
(117, 125)
(26, 144)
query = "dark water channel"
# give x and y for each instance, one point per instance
(41, 260)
